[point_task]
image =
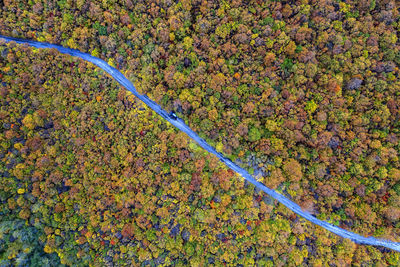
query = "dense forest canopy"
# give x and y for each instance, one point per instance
(303, 93)
(93, 176)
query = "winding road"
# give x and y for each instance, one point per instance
(180, 124)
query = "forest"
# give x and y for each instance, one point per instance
(304, 94)
(93, 177)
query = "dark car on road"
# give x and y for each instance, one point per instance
(173, 116)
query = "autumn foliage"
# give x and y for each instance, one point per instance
(302, 93)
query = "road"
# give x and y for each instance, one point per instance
(180, 124)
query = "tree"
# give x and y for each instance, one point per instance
(293, 170)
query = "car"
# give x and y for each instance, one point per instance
(173, 116)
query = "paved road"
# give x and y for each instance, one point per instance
(180, 124)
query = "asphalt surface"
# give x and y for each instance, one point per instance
(180, 124)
